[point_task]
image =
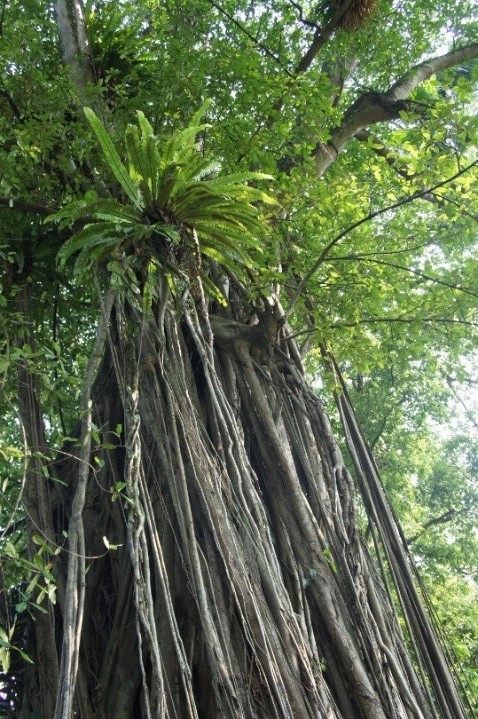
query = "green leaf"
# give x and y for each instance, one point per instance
(112, 210)
(5, 658)
(113, 159)
(139, 170)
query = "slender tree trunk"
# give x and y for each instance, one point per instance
(37, 503)
(77, 53)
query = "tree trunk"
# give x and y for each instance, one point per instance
(241, 586)
(40, 682)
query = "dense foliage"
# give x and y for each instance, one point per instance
(227, 157)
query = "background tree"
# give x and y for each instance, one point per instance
(180, 533)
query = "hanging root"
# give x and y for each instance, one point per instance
(239, 581)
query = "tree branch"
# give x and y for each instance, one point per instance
(442, 519)
(374, 107)
(468, 413)
(13, 105)
(2, 16)
(251, 37)
(26, 206)
(385, 320)
(370, 216)
(435, 197)
(403, 320)
(321, 36)
(386, 416)
(300, 12)
(74, 42)
(404, 268)
(402, 88)
(379, 148)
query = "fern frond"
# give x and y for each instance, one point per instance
(139, 166)
(238, 179)
(109, 209)
(194, 195)
(90, 236)
(167, 183)
(184, 142)
(199, 114)
(67, 215)
(225, 215)
(176, 185)
(194, 171)
(145, 125)
(235, 185)
(89, 257)
(228, 262)
(229, 235)
(145, 157)
(212, 290)
(112, 158)
(224, 249)
(152, 154)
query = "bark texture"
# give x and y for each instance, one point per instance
(240, 586)
(74, 42)
(40, 686)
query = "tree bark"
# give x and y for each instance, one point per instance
(238, 586)
(77, 53)
(241, 583)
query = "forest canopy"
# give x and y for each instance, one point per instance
(231, 231)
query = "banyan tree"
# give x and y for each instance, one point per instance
(204, 547)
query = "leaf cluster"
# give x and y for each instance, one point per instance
(175, 204)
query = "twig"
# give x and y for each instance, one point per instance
(363, 220)
(404, 320)
(396, 266)
(254, 39)
(26, 206)
(303, 20)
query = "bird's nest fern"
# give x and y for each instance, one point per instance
(172, 208)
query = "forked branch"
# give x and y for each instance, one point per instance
(373, 107)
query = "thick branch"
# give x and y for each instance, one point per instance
(414, 77)
(378, 148)
(374, 107)
(13, 105)
(321, 36)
